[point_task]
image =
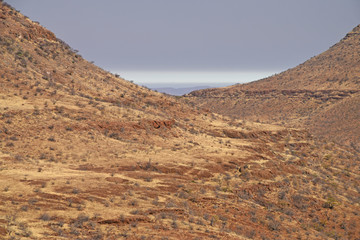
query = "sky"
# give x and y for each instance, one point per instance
(195, 41)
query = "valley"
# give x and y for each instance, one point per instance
(86, 154)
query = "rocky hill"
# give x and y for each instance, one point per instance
(321, 95)
(85, 154)
(337, 68)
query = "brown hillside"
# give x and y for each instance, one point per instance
(303, 96)
(341, 121)
(337, 68)
(87, 155)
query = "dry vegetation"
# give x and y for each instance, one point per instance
(88, 155)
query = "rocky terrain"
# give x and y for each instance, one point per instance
(85, 154)
(321, 95)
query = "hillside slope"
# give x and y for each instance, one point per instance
(337, 68)
(87, 155)
(303, 96)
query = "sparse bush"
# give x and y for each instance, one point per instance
(282, 195)
(133, 203)
(32, 201)
(24, 208)
(133, 224)
(330, 203)
(200, 222)
(148, 179)
(74, 231)
(9, 144)
(174, 224)
(51, 139)
(213, 221)
(75, 191)
(170, 204)
(45, 217)
(274, 225)
(299, 201)
(134, 212)
(79, 221)
(289, 212)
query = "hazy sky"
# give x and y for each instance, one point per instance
(196, 35)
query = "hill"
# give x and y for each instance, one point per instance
(85, 154)
(337, 68)
(321, 95)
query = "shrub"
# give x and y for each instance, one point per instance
(9, 144)
(274, 225)
(134, 212)
(75, 191)
(174, 224)
(330, 203)
(133, 203)
(51, 139)
(79, 221)
(299, 201)
(24, 208)
(45, 217)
